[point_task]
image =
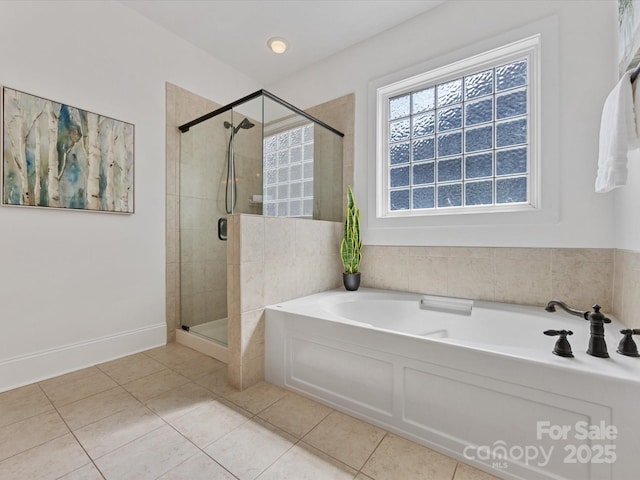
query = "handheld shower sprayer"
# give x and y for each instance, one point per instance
(231, 197)
(245, 123)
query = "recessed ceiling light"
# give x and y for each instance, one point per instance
(278, 44)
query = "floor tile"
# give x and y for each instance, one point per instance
(144, 389)
(295, 414)
(198, 467)
(29, 433)
(173, 354)
(249, 449)
(148, 457)
(70, 377)
(209, 422)
(197, 367)
(179, 401)
(133, 367)
(76, 386)
(303, 462)
(346, 438)
(217, 382)
(467, 472)
(22, 403)
(88, 472)
(362, 476)
(48, 461)
(399, 458)
(258, 397)
(110, 433)
(96, 407)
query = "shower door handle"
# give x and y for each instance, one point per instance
(222, 228)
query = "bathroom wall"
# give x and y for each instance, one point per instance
(587, 222)
(78, 288)
(586, 33)
(271, 260)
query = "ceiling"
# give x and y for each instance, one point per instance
(236, 31)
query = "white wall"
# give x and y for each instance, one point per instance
(627, 213)
(586, 73)
(77, 288)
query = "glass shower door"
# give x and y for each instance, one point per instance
(203, 256)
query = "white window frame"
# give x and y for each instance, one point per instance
(527, 48)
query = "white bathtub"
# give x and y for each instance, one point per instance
(484, 388)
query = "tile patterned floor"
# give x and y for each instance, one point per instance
(168, 413)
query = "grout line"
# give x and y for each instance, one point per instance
(202, 449)
(372, 452)
(455, 470)
(75, 438)
(30, 416)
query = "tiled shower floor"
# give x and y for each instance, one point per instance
(168, 413)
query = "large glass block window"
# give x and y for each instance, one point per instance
(459, 141)
(288, 173)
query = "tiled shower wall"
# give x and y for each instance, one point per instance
(271, 260)
(340, 114)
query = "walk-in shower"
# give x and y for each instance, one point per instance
(259, 155)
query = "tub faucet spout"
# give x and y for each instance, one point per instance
(551, 307)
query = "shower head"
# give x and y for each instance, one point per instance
(245, 123)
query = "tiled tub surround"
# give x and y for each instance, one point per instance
(168, 414)
(271, 260)
(626, 287)
(527, 276)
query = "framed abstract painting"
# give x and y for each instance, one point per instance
(56, 155)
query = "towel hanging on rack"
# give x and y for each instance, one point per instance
(618, 135)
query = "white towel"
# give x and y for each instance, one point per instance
(618, 136)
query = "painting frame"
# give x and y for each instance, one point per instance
(59, 156)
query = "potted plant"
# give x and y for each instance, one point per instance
(351, 245)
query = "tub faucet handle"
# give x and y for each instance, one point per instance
(627, 346)
(562, 348)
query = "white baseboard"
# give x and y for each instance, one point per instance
(202, 345)
(25, 369)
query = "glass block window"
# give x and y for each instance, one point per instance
(288, 173)
(460, 139)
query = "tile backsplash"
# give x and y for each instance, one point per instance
(530, 276)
